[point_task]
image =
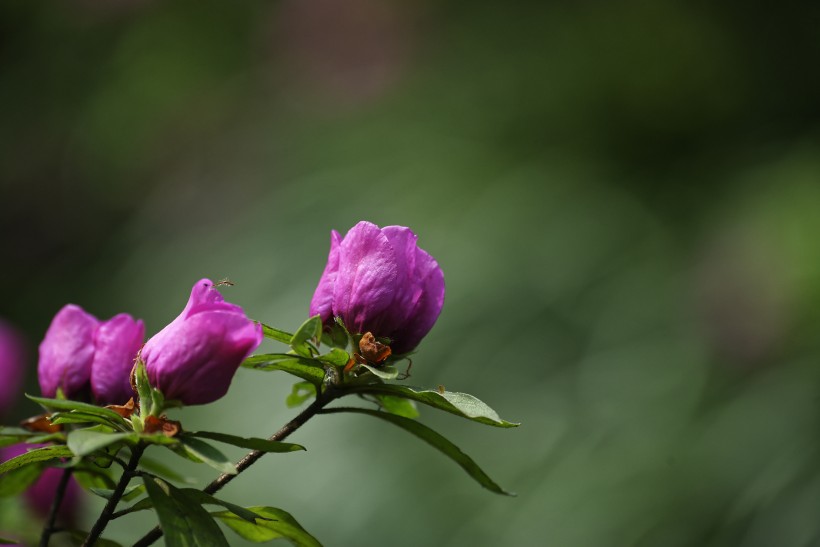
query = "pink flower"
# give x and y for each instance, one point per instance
(378, 280)
(86, 357)
(194, 358)
(12, 365)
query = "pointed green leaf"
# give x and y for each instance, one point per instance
(184, 522)
(85, 441)
(205, 453)
(309, 330)
(301, 392)
(165, 472)
(398, 406)
(306, 369)
(251, 443)
(437, 440)
(129, 493)
(4, 541)
(79, 536)
(460, 404)
(64, 404)
(281, 525)
(336, 356)
(276, 334)
(14, 435)
(16, 481)
(37, 455)
(385, 372)
(79, 417)
(206, 499)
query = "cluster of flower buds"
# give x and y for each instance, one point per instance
(377, 281)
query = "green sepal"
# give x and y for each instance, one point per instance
(301, 392)
(184, 522)
(460, 404)
(251, 443)
(276, 334)
(306, 369)
(438, 441)
(281, 525)
(310, 330)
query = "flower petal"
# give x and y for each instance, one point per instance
(322, 302)
(66, 353)
(366, 282)
(117, 342)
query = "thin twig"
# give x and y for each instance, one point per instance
(108, 510)
(251, 457)
(59, 494)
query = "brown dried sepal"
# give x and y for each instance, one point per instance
(169, 428)
(125, 410)
(374, 351)
(41, 424)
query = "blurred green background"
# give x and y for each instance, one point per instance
(623, 196)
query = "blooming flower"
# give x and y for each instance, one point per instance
(194, 358)
(40, 494)
(378, 280)
(82, 355)
(12, 363)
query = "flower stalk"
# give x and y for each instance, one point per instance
(108, 511)
(59, 494)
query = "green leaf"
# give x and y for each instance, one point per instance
(206, 499)
(141, 505)
(5, 541)
(37, 455)
(78, 537)
(85, 441)
(78, 417)
(90, 476)
(130, 492)
(276, 334)
(385, 372)
(64, 404)
(436, 440)
(251, 443)
(184, 522)
(16, 481)
(158, 468)
(398, 406)
(336, 356)
(309, 330)
(203, 452)
(301, 392)
(460, 404)
(14, 435)
(306, 369)
(282, 525)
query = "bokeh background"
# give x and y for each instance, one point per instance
(624, 198)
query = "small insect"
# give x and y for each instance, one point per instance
(441, 389)
(372, 353)
(224, 282)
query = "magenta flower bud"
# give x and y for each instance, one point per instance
(40, 495)
(378, 280)
(12, 365)
(86, 357)
(195, 357)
